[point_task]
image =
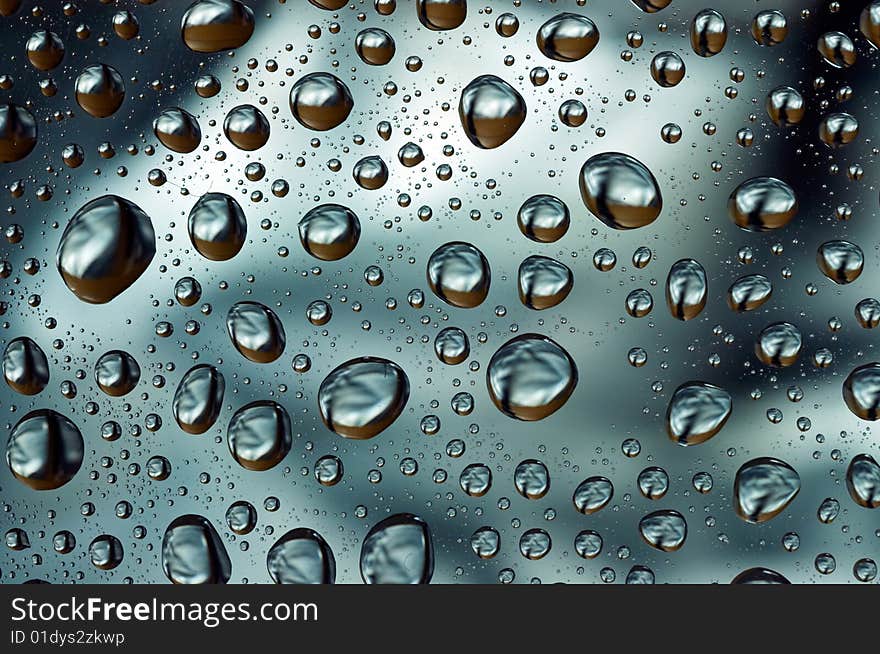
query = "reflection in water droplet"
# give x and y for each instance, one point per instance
(25, 367)
(762, 204)
(491, 111)
(572, 113)
(531, 479)
(639, 303)
(441, 15)
(106, 552)
(246, 127)
(198, 399)
(588, 544)
(329, 470)
(217, 226)
(374, 46)
(708, 33)
(241, 517)
(486, 542)
(651, 6)
(763, 488)
(543, 218)
(861, 391)
(686, 289)
(869, 23)
(620, 191)
(18, 132)
(868, 313)
(259, 435)
(459, 274)
(177, 130)
(535, 544)
(362, 397)
(398, 550)
(696, 412)
(187, 291)
(410, 155)
(769, 27)
(320, 101)
(593, 494)
(837, 129)
(840, 261)
(100, 90)
(653, 482)
(329, 232)
(117, 373)
(567, 37)
(530, 377)
(779, 344)
(192, 552)
(45, 450)
(749, 292)
(667, 69)
(451, 346)
(837, 49)
(759, 576)
(785, 106)
(256, 331)
(45, 50)
(216, 25)
(105, 248)
(370, 173)
(665, 530)
(301, 556)
(543, 282)
(476, 479)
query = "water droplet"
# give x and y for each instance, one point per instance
(837, 49)
(398, 550)
(530, 377)
(535, 544)
(759, 576)
(198, 399)
(543, 218)
(543, 282)
(749, 292)
(485, 542)
(374, 46)
(18, 133)
(708, 33)
(362, 397)
(653, 482)
(868, 313)
(696, 412)
(105, 248)
(216, 25)
(459, 274)
(861, 391)
(451, 346)
(869, 23)
(217, 226)
(177, 130)
(475, 480)
(651, 6)
(769, 27)
(838, 129)
(531, 479)
(572, 113)
(840, 261)
(192, 552)
(246, 127)
(25, 367)
(259, 435)
(567, 37)
(106, 552)
(301, 556)
(588, 544)
(686, 289)
(329, 470)
(329, 232)
(117, 373)
(763, 488)
(665, 530)
(370, 173)
(620, 191)
(593, 494)
(491, 111)
(100, 90)
(256, 331)
(320, 101)
(439, 15)
(45, 450)
(785, 106)
(667, 69)
(761, 204)
(779, 344)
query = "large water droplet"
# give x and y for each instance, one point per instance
(217, 226)
(198, 399)
(374, 46)
(370, 173)
(491, 111)
(301, 556)
(696, 412)
(192, 552)
(769, 27)
(459, 274)
(45, 450)
(256, 331)
(667, 69)
(779, 344)
(567, 37)
(593, 494)
(838, 129)
(686, 289)
(620, 190)
(25, 367)
(452, 346)
(665, 530)
(749, 292)
(246, 127)
(708, 33)
(216, 25)
(362, 397)
(259, 435)
(863, 481)
(759, 576)
(100, 90)
(543, 282)
(530, 377)
(320, 101)
(861, 391)
(785, 106)
(117, 373)
(543, 218)
(439, 15)
(177, 130)
(762, 204)
(869, 23)
(329, 232)
(18, 133)
(398, 550)
(105, 248)
(531, 479)
(763, 488)
(840, 261)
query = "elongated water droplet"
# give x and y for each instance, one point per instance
(762, 204)
(216, 25)
(567, 37)
(18, 133)
(696, 412)
(192, 552)
(259, 435)
(749, 292)
(398, 550)
(708, 33)
(25, 367)
(256, 331)
(665, 530)
(686, 289)
(198, 399)
(620, 191)
(593, 494)
(217, 226)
